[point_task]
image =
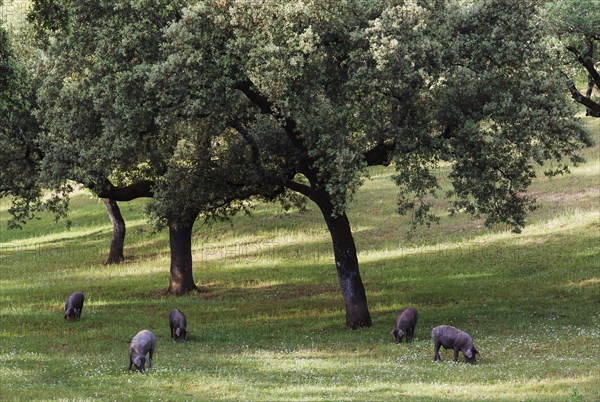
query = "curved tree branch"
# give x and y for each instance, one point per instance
(593, 107)
(256, 161)
(266, 107)
(140, 189)
(299, 187)
(588, 63)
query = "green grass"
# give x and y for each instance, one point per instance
(269, 322)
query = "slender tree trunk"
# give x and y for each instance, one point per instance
(591, 81)
(181, 280)
(115, 255)
(346, 263)
(588, 94)
(590, 88)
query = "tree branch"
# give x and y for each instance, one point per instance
(588, 64)
(266, 107)
(594, 108)
(140, 189)
(252, 143)
(299, 187)
(380, 154)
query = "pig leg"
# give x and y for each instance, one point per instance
(455, 355)
(150, 359)
(436, 354)
(394, 333)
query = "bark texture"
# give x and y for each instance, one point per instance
(346, 264)
(117, 243)
(181, 280)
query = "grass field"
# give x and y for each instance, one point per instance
(268, 324)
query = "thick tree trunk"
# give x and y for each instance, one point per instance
(346, 263)
(115, 255)
(181, 280)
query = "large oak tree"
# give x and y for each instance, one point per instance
(321, 90)
(100, 125)
(97, 119)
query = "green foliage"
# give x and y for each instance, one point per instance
(204, 170)
(142, 90)
(19, 154)
(101, 122)
(98, 119)
(48, 17)
(474, 85)
(575, 18)
(489, 103)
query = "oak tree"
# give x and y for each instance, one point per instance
(101, 128)
(319, 91)
(97, 119)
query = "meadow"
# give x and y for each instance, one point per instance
(268, 322)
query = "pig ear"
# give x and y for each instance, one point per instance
(469, 354)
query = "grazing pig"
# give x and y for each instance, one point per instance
(405, 325)
(453, 338)
(74, 306)
(178, 325)
(141, 344)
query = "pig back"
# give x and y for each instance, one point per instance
(75, 301)
(445, 335)
(177, 319)
(407, 318)
(143, 342)
(450, 337)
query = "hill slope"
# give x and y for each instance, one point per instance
(269, 322)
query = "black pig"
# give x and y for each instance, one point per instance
(453, 338)
(178, 325)
(141, 344)
(74, 306)
(405, 325)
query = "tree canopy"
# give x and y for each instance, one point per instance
(347, 83)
